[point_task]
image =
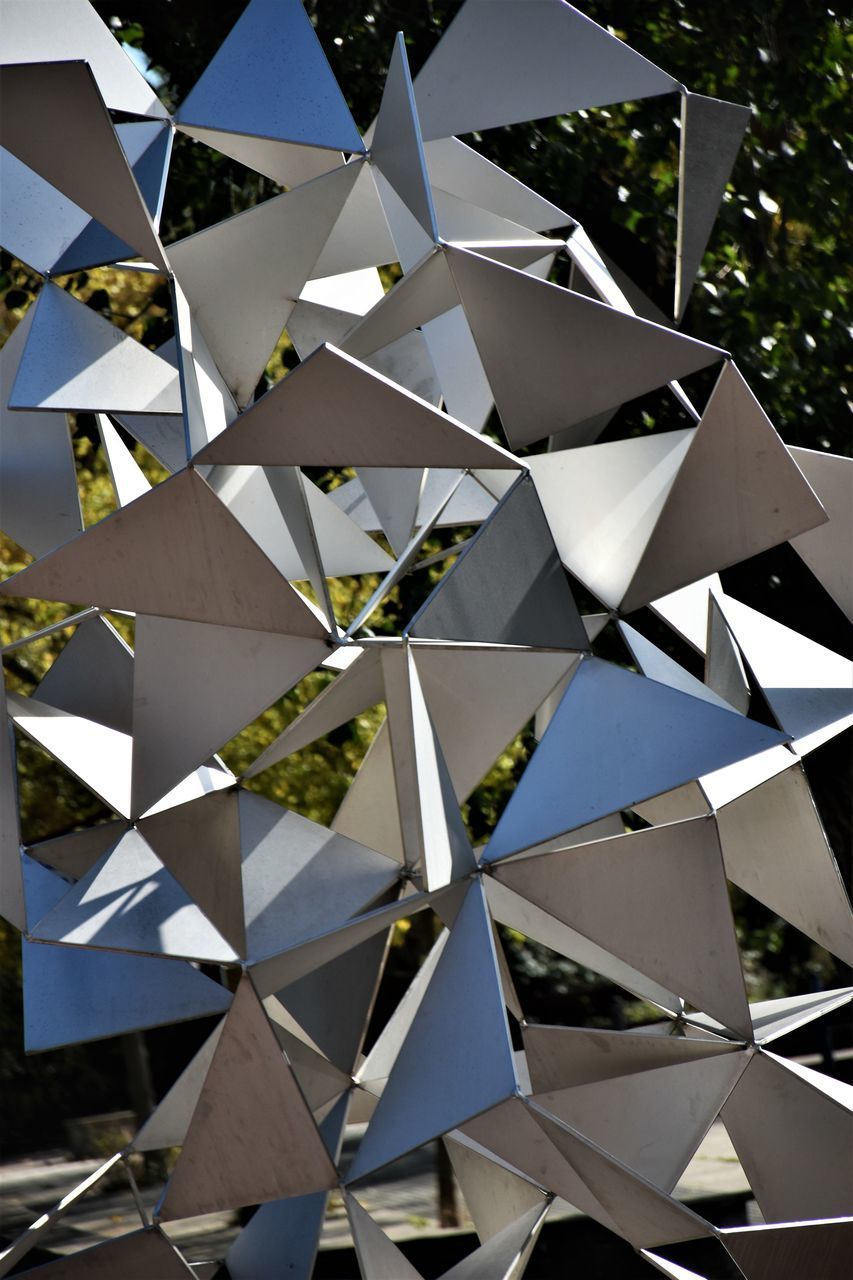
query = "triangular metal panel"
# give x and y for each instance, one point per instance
(793, 1250)
(534, 606)
(250, 1107)
(601, 503)
(12, 900)
(148, 147)
(565, 1057)
(640, 1212)
(657, 665)
(74, 854)
(59, 30)
(506, 1254)
(395, 494)
(711, 134)
(775, 848)
(457, 1057)
(72, 995)
(378, 1257)
(75, 359)
(527, 918)
(724, 669)
(93, 676)
(239, 284)
(564, 372)
(336, 411)
(494, 1194)
(353, 691)
(100, 757)
(397, 148)
(301, 879)
(128, 901)
(672, 887)
(128, 478)
(139, 1255)
(214, 881)
(493, 67)
(45, 511)
(652, 1121)
(611, 714)
(772, 1019)
(195, 686)
(809, 688)
(270, 78)
(168, 1123)
(793, 1139)
(175, 552)
(735, 450)
(380, 1061)
(43, 101)
(457, 169)
(424, 292)
(825, 549)
(287, 163)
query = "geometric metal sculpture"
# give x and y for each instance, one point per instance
(194, 868)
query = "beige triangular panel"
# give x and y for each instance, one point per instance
(565, 1057)
(334, 411)
(353, 691)
(641, 1213)
(652, 1121)
(287, 163)
(139, 1255)
(565, 370)
(176, 552)
(738, 492)
(793, 1132)
(196, 686)
(672, 888)
(792, 1251)
(250, 1109)
(44, 100)
(168, 1123)
(75, 359)
(242, 288)
(775, 848)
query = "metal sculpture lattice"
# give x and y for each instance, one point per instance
(196, 869)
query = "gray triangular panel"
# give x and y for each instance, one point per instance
(825, 549)
(494, 66)
(93, 677)
(534, 605)
(397, 148)
(711, 134)
(175, 552)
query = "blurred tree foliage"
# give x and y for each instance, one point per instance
(775, 290)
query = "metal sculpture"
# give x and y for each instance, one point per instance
(194, 868)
